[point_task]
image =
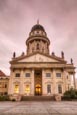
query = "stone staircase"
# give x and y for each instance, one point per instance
(37, 98)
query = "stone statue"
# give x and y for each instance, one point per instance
(71, 61)
(14, 55)
(22, 53)
(62, 54)
(53, 53)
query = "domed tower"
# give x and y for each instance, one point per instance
(37, 40)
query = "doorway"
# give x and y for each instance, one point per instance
(38, 82)
(38, 89)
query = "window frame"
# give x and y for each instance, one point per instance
(27, 75)
(27, 89)
(58, 75)
(17, 75)
(48, 75)
(48, 88)
(59, 88)
(16, 88)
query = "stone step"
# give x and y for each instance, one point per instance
(37, 98)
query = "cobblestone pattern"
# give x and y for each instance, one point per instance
(38, 108)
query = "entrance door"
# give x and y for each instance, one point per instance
(38, 89)
(38, 82)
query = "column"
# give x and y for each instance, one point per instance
(32, 83)
(64, 76)
(21, 87)
(11, 83)
(74, 81)
(54, 82)
(43, 83)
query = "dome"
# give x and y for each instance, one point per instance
(37, 27)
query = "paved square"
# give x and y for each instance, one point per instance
(38, 108)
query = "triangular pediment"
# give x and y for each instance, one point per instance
(38, 58)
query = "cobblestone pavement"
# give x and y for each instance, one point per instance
(38, 108)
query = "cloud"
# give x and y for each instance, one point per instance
(59, 17)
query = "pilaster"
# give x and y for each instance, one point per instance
(11, 83)
(54, 82)
(74, 82)
(43, 83)
(21, 90)
(64, 81)
(32, 82)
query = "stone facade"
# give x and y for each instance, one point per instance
(4, 82)
(38, 72)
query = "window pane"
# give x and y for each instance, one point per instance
(16, 89)
(27, 75)
(48, 74)
(48, 88)
(58, 74)
(17, 75)
(59, 88)
(27, 89)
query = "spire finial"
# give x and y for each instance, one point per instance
(38, 21)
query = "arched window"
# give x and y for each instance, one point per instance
(37, 46)
(59, 88)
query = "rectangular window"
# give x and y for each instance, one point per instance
(27, 75)
(48, 88)
(58, 74)
(48, 74)
(17, 75)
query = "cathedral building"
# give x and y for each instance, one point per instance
(37, 72)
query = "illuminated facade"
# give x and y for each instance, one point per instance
(38, 72)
